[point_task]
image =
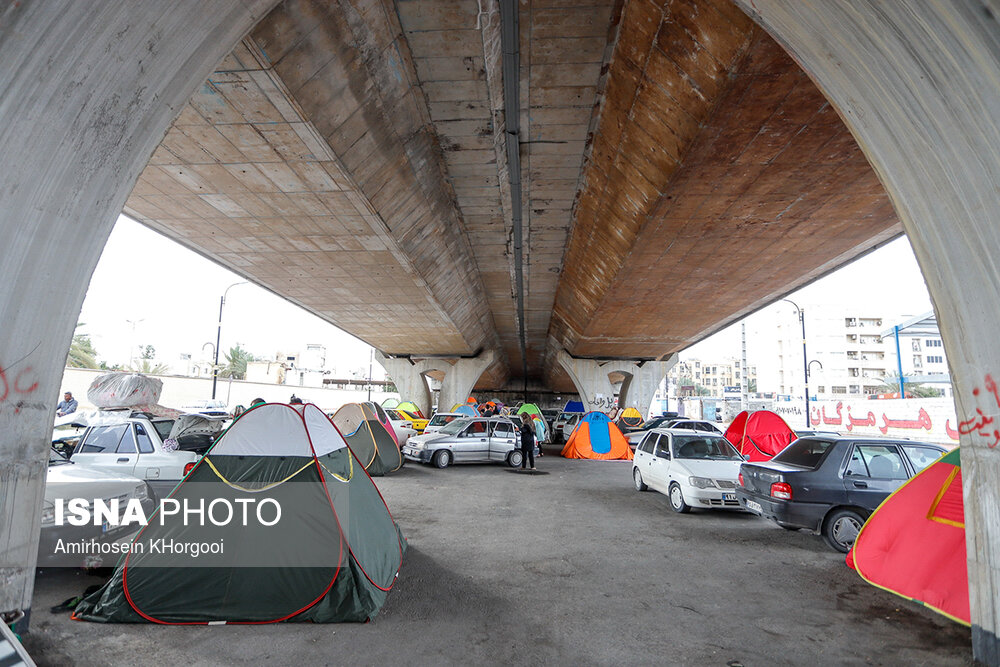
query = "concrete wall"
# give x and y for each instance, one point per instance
(180, 391)
(88, 92)
(918, 84)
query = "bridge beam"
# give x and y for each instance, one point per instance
(591, 379)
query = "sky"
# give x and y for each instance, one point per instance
(149, 290)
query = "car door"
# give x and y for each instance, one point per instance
(473, 443)
(111, 447)
(644, 454)
(874, 470)
(660, 466)
(502, 440)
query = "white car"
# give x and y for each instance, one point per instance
(693, 469)
(440, 420)
(132, 443)
(403, 430)
(564, 425)
(65, 481)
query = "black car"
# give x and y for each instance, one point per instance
(831, 484)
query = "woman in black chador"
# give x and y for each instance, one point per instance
(527, 441)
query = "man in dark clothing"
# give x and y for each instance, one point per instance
(527, 442)
(66, 406)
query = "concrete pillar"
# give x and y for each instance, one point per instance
(89, 90)
(462, 377)
(590, 377)
(926, 118)
(408, 377)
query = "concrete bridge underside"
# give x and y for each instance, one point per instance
(351, 156)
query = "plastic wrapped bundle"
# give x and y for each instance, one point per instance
(124, 390)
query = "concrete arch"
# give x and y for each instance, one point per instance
(89, 90)
(918, 84)
(591, 377)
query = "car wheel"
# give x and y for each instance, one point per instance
(442, 458)
(515, 458)
(841, 529)
(677, 503)
(637, 478)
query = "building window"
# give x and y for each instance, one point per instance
(917, 361)
(855, 389)
(934, 359)
(821, 389)
(916, 345)
(838, 390)
(933, 342)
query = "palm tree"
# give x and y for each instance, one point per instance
(148, 367)
(890, 385)
(81, 351)
(236, 363)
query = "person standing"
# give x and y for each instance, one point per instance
(527, 441)
(66, 406)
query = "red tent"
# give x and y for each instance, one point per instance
(914, 543)
(760, 434)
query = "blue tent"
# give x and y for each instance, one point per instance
(574, 406)
(467, 409)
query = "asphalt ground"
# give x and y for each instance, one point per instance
(570, 567)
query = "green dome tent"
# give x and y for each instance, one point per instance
(332, 556)
(365, 427)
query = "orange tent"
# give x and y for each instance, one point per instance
(761, 434)
(913, 545)
(595, 437)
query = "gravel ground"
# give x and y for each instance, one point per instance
(571, 566)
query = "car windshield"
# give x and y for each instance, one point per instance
(393, 415)
(409, 415)
(804, 453)
(57, 459)
(454, 427)
(704, 447)
(438, 420)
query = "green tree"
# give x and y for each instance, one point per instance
(236, 363)
(149, 367)
(752, 386)
(81, 351)
(890, 385)
(699, 390)
(148, 352)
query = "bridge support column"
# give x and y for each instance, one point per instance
(461, 378)
(112, 77)
(590, 376)
(408, 377)
(920, 122)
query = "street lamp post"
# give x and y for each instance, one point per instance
(218, 337)
(805, 362)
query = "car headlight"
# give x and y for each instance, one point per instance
(48, 513)
(141, 492)
(701, 482)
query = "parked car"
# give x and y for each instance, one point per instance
(132, 443)
(635, 435)
(468, 440)
(559, 431)
(693, 425)
(831, 484)
(418, 424)
(64, 481)
(440, 419)
(550, 415)
(692, 469)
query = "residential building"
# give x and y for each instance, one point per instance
(716, 376)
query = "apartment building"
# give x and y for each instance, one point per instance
(715, 376)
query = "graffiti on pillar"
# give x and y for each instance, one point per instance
(981, 426)
(16, 383)
(605, 402)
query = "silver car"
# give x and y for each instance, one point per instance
(468, 440)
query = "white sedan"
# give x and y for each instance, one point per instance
(692, 469)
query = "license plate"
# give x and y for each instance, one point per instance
(729, 496)
(754, 507)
